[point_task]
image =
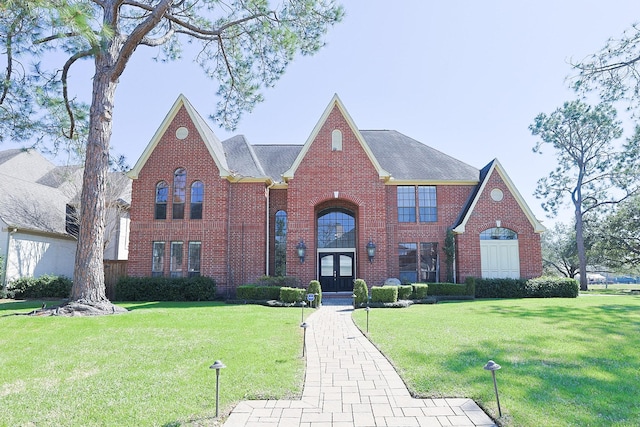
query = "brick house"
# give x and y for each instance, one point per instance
(235, 211)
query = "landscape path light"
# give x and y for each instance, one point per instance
(217, 365)
(304, 326)
(367, 310)
(493, 367)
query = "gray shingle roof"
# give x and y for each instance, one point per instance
(405, 158)
(34, 192)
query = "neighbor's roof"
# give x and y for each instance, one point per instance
(34, 192)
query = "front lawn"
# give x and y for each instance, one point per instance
(565, 362)
(149, 367)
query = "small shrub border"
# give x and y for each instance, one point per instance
(315, 288)
(384, 294)
(540, 287)
(292, 295)
(361, 291)
(46, 286)
(198, 288)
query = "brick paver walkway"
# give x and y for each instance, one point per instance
(349, 382)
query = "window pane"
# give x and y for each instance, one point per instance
(157, 262)
(176, 259)
(194, 258)
(179, 193)
(346, 266)
(498, 234)
(197, 196)
(281, 244)
(429, 262)
(428, 204)
(406, 203)
(336, 229)
(162, 195)
(408, 260)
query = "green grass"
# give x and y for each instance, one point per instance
(149, 367)
(565, 362)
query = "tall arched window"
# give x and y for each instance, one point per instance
(197, 197)
(162, 196)
(280, 258)
(179, 192)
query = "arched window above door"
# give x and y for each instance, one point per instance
(336, 229)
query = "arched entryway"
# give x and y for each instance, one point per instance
(336, 243)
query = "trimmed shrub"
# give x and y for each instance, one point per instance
(197, 288)
(384, 294)
(451, 289)
(291, 295)
(499, 288)
(315, 288)
(46, 286)
(420, 291)
(361, 291)
(552, 287)
(405, 292)
(257, 293)
(278, 281)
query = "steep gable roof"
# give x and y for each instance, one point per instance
(241, 158)
(211, 141)
(495, 167)
(335, 103)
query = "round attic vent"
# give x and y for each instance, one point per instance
(182, 132)
(496, 194)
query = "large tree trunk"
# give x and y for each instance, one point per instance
(88, 277)
(582, 253)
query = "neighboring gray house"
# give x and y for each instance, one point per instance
(38, 215)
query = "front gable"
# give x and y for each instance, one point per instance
(206, 135)
(335, 118)
(494, 173)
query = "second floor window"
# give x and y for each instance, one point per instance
(179, 193)
(197, 197)
(162, 196)
(426, 210)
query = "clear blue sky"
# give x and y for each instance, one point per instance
(465, 77)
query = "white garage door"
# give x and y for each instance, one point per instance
(500, 256)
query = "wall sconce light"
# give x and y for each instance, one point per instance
(302, 250)
(371, 250)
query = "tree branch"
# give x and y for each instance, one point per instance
(65, 95)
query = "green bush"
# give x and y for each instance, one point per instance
(552, 287)
(361, 291)
(257, 293)
(420, 291)
(278, 281)
(314, 288)
(541, 287)
(46, 286)
(405, 292)
(499, 288)
(198, 288)
(291, 295)
(450, 289)
(384, 294)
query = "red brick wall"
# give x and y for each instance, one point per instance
(351, 173)
(212, 230)
(450, 199)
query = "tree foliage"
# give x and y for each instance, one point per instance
(617, 237)
(559, 251)
(590, 170)
(243, 45)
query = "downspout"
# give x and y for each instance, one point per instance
(455, 253)
(267, 193)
